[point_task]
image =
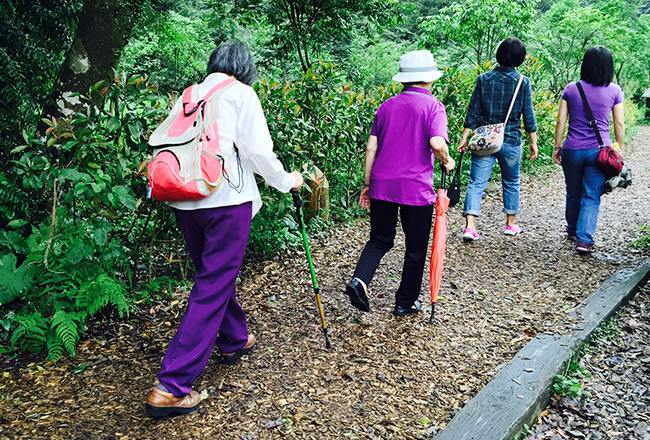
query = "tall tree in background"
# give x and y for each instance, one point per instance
(562, 35)
(473, 29)
(302, 27)
(103, 30)
(34, 37)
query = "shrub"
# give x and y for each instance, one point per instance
(76, 222)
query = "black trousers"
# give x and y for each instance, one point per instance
(416, 222)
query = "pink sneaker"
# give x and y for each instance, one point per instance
(512, 230)
(469, 235)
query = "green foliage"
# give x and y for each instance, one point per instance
(606, 331)
(562, 35)
(643, 241)
(274, 227)
(302, 29)
(160, 288)
(34, 37)
(30, 332)
(632, 115)
(14, 279)
(100, 292)
(570, 382)
(471, 30)
(75, 261)
(173, 50)
(320, 121)
(77, 237)
(546, 109)
(65, 327)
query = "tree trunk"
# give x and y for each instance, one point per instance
(104, 29)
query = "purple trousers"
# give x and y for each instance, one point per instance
(216, 239)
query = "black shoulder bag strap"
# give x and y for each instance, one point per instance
(454, 188)
(456, 178)
(590, 115)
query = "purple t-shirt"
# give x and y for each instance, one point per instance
(403, 168)
(602, 100)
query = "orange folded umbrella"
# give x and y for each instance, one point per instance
(439, 243)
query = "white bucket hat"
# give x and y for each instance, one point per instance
(417, 66)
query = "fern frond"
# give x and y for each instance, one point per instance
(66, 326)
(29, 335)
(54, 347)
(101, 292)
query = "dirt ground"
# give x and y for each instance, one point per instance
(612, 401)
(385, 377)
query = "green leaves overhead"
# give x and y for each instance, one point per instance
(472, 29)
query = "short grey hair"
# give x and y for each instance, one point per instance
(233, 58)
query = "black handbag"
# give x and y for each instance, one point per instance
(454, 187)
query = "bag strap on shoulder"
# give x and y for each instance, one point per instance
(514, 96)
(590, 115)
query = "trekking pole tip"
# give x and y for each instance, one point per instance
(327, 340)
(433, 317)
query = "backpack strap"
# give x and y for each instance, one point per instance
(188, 93)
(222, 85)
(590, 115)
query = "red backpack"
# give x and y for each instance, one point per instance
(187, 164)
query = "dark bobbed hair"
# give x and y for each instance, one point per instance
(233, 58)
(511, 52)
(597, 66)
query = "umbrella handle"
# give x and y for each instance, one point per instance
(443, 179)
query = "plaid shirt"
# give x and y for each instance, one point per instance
(491, 99)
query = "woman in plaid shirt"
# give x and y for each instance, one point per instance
(489, 105)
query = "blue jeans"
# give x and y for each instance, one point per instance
(585, 183)
(509, 158)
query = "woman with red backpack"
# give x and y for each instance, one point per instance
(216, 231)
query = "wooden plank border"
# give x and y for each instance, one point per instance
(522, 388)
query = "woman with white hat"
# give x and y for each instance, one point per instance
(408, 133)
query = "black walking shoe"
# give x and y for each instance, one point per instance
(357, 293)
(571, 235)
(403, 311)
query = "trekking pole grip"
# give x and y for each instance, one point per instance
(297, 201)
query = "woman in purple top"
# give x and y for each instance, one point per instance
(408, 132)
(578, 155)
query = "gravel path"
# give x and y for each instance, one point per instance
(385, 377)
(612, 399)
(612, 396)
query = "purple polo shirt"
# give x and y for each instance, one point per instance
(403, 168)
(602, 100)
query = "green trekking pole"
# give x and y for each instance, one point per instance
(297, 202)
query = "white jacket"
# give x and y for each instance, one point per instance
(241, 122)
